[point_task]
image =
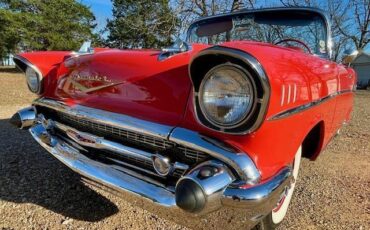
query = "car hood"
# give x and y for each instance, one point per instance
(135, 83)
(132, 82)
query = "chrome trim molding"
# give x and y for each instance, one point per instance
(27, 117)
(238, 161)
(105, 117)
(19, 60)
(259, 72)
(244, 204)
(212, 185)
(238, 198)
(306, 106)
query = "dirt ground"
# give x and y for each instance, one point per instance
(38, 192)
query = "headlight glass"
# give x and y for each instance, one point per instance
(32, 80)
(226, 95)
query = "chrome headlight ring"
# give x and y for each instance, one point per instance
(33, 80)
(207, 59)
(33, 74)
(227, 96)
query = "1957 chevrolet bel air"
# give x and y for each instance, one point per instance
(209, 132)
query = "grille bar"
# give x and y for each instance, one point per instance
(112, 152)
(155, 144)
(121, 133)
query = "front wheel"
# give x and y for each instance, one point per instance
(277, 215)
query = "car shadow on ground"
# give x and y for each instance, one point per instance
(28, 174)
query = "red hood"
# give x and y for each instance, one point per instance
(132, 82)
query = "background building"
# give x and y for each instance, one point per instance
(361, 64)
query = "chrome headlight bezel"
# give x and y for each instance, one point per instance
(248, 82)
(216, 55)
(28, 68)
(33, 80)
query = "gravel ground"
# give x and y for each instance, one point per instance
(38, 192)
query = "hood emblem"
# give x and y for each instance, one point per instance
(86, 83)
(82, 138)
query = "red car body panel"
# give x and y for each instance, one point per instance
(146, 88)
(161, 91)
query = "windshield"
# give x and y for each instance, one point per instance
(272, 26)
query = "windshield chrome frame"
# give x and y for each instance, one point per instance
(323, 14)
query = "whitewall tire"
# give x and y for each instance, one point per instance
(280, 211)
(277, 215)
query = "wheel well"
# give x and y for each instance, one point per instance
(311, 145)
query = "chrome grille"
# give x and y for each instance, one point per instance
(128, 135)
(146, 166)
(196, 155)
(145, 142)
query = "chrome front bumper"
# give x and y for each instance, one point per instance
(240, 205)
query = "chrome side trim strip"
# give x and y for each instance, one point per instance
(306, 106)
(108, 118)
(238, 161)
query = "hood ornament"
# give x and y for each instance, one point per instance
(178, 47)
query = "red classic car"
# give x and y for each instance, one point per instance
(209, 132)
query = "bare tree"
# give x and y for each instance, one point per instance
(357, 30)
(189, 10)
(350, 19)
(339, 14)
(337, 10)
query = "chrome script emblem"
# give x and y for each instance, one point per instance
(86, 83)
(82, 138)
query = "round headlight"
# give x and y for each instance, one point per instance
(32, 80)
(226, 95)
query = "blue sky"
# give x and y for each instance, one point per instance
(102, 10)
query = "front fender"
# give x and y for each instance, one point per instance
(45, 64)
